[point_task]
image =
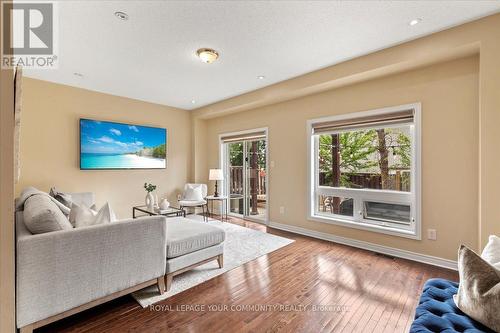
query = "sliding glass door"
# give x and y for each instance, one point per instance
(245, 165)
(255, 178)
(236, 179)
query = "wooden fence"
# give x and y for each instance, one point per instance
(400, 181)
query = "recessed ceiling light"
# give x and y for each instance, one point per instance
(415, 21)
(193, 102)
(261, 77)
(207, 55)
(78, 74)
(121, 15)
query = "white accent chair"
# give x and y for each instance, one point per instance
(185, 202)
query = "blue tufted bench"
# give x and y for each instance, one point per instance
(437, 312)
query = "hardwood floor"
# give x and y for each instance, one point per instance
(360, 291)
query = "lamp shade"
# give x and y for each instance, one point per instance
(216, 174)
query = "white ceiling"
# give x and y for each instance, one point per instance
(151, 56)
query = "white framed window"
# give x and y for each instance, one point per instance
(364, 170)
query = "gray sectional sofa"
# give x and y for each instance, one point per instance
(64, 272)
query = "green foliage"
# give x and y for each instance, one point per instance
(160, 151)
(403, 149)
(236, 153)
(355, 150)
(359, 153)
(149, 187)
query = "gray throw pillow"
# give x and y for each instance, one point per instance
(41, 215)
(478, 294)
(62, 197)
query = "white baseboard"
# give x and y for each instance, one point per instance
(423, 258)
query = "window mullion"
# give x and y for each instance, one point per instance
(358, 205)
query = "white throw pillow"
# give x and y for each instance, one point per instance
(491, 252)
(105, 215)
(193, 193)
(83, 216)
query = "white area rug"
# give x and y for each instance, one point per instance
(241, 245)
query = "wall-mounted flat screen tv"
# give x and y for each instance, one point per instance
(109, 145)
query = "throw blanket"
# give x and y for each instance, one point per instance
(30, 191)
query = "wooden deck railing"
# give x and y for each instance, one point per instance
(398, 182)
(236, 180)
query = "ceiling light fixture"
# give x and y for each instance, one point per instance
(261, 77)
(121, 15)
(415, 21)
(207, 55)
(193, 102)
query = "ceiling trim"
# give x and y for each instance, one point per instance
(460, 41)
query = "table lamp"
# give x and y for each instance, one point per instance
(216, 174)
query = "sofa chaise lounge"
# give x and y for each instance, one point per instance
(64, 272)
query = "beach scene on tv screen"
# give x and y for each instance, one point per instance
(108, 145)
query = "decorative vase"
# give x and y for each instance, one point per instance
(164, 204)
(156, 206)
(150, 201)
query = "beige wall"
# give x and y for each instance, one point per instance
(460, 202)
(477, 37)
(199, 158)
(7, 305)
(449, 96)
(466, 89)
(50, 144)
(489, 133)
